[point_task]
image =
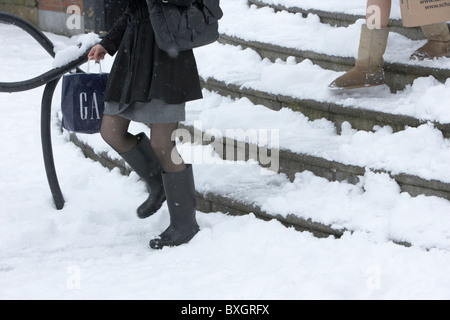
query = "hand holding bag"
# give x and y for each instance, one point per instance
(179, 28)
(82, 102)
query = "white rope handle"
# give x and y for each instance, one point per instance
(96, 62)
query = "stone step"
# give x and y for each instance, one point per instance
(359, 118)
(229, 203)
(398, 75)
(341, 19)
(291, 163)
(208, 202)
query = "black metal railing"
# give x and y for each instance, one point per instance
(50, 79)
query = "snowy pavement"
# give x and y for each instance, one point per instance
(96, 247)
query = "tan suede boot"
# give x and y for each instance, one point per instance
(438, 44)
(368, 70)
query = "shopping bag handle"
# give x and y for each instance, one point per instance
(99, 66)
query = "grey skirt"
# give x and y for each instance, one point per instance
(154, 111)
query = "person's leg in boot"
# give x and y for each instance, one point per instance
(368, 70)
(114, 131)
(179, 187)
(438, 45)
(138, 153)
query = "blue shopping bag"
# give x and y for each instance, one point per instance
(82, 102)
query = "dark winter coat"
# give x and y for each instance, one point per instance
(141, 71)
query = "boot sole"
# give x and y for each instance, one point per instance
(355, 87)
(158, 245)
(147, 215)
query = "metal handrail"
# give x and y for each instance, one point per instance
(50, 79)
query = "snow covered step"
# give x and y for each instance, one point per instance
(282, 34)
(375, 206)
(360, 118)
(337, 15)
(398, 75)
(291, 163)
(288, 142)
(303, 87)
(209, 200)
(234, 143)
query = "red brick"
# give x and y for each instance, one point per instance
(59, 5)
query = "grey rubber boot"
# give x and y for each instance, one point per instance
(181, 201)
(145, 163)
(438, 45)
(368, 70)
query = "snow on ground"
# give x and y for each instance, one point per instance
(96, 247)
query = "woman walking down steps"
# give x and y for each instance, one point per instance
(145, 86)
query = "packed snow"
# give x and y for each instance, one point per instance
(96, 247)
(70, 53)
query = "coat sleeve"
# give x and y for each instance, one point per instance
(111, 42)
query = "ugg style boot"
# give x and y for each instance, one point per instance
(145, 163)
(438, 44)
(181, 201)
(368, 70)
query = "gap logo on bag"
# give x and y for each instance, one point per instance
(82, 102)
(84, 107)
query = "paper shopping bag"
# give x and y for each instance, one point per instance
(82, 102)
(422, 12)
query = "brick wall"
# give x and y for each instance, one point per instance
(26, 9)
(59, 5)
(53, 16)
(48, 15)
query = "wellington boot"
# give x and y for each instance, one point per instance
(181, 201)
(145, 163)
(368, 70)
(438, 45)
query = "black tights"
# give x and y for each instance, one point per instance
(114, 131)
